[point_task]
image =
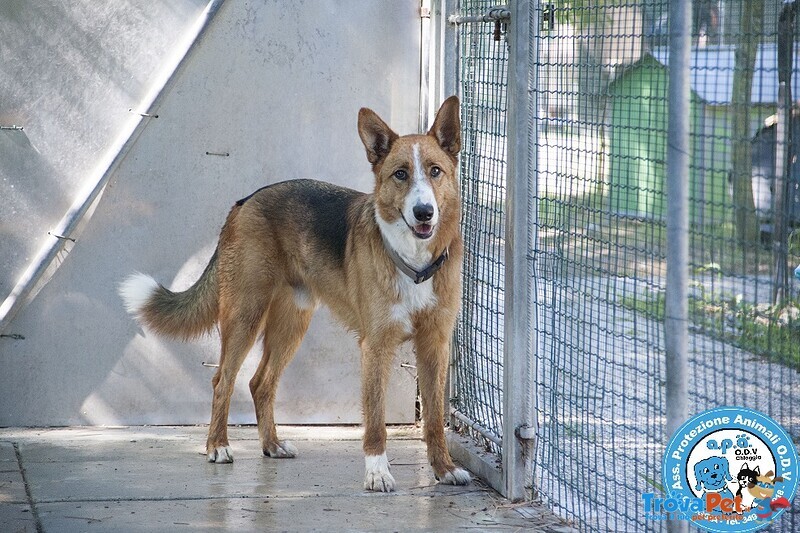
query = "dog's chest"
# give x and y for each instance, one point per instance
(412, 299)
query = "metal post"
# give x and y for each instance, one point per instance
(677, 188)
(425, 52)
(783, 138)
(519, 421)
(780, 265)
(449, 54)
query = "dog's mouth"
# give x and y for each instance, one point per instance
(421, 231)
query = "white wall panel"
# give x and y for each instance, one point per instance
(277, 86)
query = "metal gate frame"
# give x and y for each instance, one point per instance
(508, 429)
(513, 478)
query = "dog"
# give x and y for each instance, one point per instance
(751, 485)
(713, 474)
(387, 264)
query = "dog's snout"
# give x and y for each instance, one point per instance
(423, 212)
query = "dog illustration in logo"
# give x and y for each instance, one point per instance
(752, 487)
(712, 475)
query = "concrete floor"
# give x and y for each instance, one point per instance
(157, 479)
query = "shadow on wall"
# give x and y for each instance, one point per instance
(139, 381)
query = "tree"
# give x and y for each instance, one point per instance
(751, 22)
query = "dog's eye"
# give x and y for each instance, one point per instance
(401, 174)
(705, 470)
(716, 467)
(435, 172)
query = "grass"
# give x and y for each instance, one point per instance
(585, 230)
(581, 236)
(763, 330)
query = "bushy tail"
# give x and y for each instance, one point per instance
(181, 315)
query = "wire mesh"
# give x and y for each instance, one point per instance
(602, 253)
(477, 376)
(601, 395)
(601, 250)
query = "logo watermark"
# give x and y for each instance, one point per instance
(726, 469)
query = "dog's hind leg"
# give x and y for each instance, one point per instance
(239, 326)
(433, 353)
(286, 325)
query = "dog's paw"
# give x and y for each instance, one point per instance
(283, 449)
(377, 476)
(220, 454)
(456, 476)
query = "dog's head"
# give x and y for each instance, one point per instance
(712, 473)
(416, 192)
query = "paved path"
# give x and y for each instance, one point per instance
(156, 479)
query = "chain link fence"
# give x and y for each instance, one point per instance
(601, 247)
(477, 377)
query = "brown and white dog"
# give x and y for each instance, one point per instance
(387, 264)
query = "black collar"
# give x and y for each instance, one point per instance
(417, 276)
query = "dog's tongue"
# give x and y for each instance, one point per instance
(423, 229)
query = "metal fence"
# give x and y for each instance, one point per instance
(478, 351)
(601, 82)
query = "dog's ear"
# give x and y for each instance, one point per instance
(757, 470)
(697, 468)
(375, 134)
(447, 126)
(743, 468)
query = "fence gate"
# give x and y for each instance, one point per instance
(559, 379)
(493, 372)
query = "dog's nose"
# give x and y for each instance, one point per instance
(423, 212)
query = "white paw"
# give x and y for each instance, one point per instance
(377, 476)
(282, 450)
(221, 454)
(457, 476)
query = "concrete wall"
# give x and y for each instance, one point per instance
(277, 86)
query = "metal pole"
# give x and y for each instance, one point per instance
(449, 55)
(783, 137)
(780, 261)
(519, 420)
(494, 14)
(677, 187)
(425, 51)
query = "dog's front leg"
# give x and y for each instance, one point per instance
(376, 359)
(432, 345)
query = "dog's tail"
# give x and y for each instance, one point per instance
(181, 315)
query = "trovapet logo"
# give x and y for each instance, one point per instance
(726, 469)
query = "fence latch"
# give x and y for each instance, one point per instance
(498, 14)
(525, 433)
